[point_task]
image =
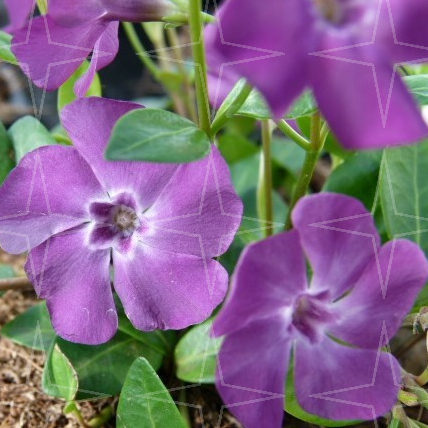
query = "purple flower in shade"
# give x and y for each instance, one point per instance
(50, 48)
(359, 293)
(19, 12)
(159, 225)
(346, 51)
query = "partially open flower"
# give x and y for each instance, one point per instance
(50, 48)
(158, 225)
(346, 51)
(336, 325)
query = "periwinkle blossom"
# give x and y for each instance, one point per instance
(346, 51)
(158, 225)
(335, 326)
(50, 48)
(19, 12)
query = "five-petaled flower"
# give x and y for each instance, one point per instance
(158, 225)
(50, 48)
(346, 51)
(359, 293)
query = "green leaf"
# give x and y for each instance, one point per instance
(403, 192)
(32, 328)
(155, 135)
(288, 155)
(6, 160)
(196, 354)
(102, 369)
(293, 407)
(255, 106)
(145, 402)
(28, 134)
(357, 176)
(59, 378)
(418, 86)
(6, 271)
(234, 147)
(304, 106)
(66, 91)
(6, 53)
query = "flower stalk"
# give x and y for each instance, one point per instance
(264, 191)
(288, 130)
(311, 159)
(199, 57)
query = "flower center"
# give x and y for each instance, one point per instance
(310, 315)
(331, 10)
(125, 219)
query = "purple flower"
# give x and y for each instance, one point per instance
(359, 293)
(50, 48)
(159, 225)
(346, 51)
(19, 12)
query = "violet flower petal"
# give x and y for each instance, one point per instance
(343, 383)
(105, 50)
(339, 237)
(369, 105)
(251, 371)
(198, 211)
(270, 53)
(75, 281)
(45, 194)
(19, 12)
(269, 274)
(89, 122)
(163, 290)
(383, 295)
(63, 49)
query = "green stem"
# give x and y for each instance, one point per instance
(71, 408)
(43, 6)
(100, 420)
(308, 169)
(188, 93)
(230, 107)
(422, 379)
(264, 194)
(139, 49)
(198, 48)
(294, 135)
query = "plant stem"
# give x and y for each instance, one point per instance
(294, 135)
(139, 49)
(188, 92)
(198, 48)
(308, 169)
(264, 191)
(20, 283)
(227, 110)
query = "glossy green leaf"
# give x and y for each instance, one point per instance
(66, 91)
(145, 402)
(418, 86)
(155, 135)
(234, 147)
(196, 354)
(403, 192)
(102, 369)
(6, 271)
(6, 158)
(32, 328)
(6, 53)
(357, 176)
(255, 106)
(304, 106)
(288, 155)
(28, 134)
(59, 377)
(293, 407)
